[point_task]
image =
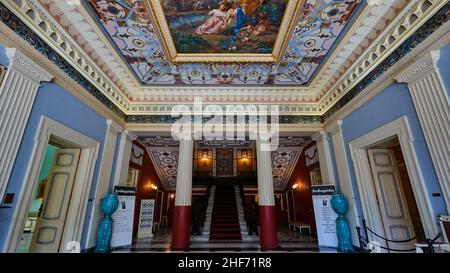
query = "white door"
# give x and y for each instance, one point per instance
(391, 198)
(50, 224)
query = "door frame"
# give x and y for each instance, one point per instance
(73, 227)
(358, 148)
(293, 206)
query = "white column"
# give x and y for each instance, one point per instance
(183, 194)
(113, 129)
(123, 158)
(214, 163)
(344, 176)
(326, 164)
(235, 172)
(432, 105)
(17, 93)
(265, 175)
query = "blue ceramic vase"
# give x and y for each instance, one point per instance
(108, 206)
(340, 206)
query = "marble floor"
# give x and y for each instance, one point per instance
(289, 241)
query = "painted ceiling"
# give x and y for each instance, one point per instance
(163, 152)
(112, 49)
(319, 27)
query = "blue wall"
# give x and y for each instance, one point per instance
(57, 104)
(393, 103)
(444, 66)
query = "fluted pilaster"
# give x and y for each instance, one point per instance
(17, 94)
(432, 105)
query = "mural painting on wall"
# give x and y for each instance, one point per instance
(221, 26)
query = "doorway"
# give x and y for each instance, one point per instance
(64, 196)
(47, 213)
(395, 198)
(391, 185)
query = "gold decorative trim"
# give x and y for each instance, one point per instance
(156, 14)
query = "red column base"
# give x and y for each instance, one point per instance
(268, 228)
(181, 226)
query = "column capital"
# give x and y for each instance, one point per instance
(320, 136)
(419, 67)
(113, 126)
(18, 61)
(182, 136)
(335, 127)
(264, 136)
(129, 135)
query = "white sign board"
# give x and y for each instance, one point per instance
(146, 218)
(325, 215)
(123, 217)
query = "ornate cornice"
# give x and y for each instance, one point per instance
(436, 21)
(40, 22)
(416, 13)
(407, 32)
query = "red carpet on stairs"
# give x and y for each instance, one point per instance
(225, 220)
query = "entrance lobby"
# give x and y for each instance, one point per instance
(214, 126)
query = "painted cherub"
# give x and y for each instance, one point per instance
(250, 32)
(217, 22)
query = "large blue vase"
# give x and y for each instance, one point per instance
(108, 206)
(340, 206)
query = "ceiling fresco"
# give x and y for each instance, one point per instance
(130, 30)
(336, 49)
(221, 26)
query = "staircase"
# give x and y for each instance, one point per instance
(225, 221)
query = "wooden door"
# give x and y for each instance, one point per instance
(391, 198)
(50, 224)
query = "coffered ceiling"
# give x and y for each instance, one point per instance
(320, 50)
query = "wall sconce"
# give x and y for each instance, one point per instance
(154, 187)
(244, 161)
(172, 196)
(204, 160)
(295, 186)
(148, 186)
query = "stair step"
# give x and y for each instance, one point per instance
(225, 223)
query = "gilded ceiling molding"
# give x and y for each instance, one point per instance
(155, 8)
